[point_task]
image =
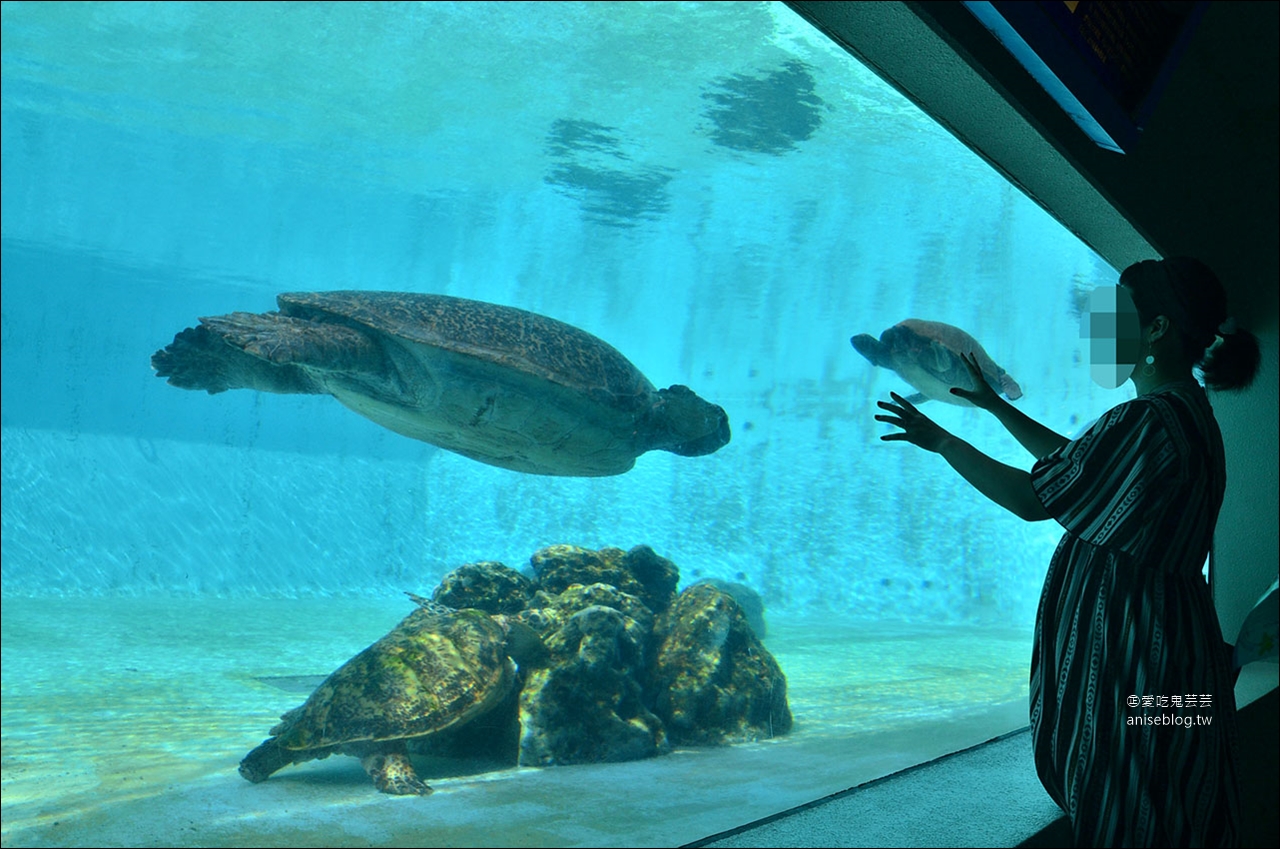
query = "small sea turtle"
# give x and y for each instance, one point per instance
(497, 384)
(926, 354)
(435, 671)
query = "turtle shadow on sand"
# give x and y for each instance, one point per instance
(927, 355)
(497, 384)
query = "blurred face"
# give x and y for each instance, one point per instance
(1115, 336)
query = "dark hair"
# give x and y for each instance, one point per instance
(1190, 295)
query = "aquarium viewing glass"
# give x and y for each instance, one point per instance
(715, 189)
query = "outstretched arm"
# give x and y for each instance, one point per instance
(1035, 437)
(1005, 485)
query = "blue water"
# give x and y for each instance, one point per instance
(166, 163)
(714, 189)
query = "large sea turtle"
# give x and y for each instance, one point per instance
(497, 384)
(435, 671)
(926, 354)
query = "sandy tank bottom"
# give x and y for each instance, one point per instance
(124, 721)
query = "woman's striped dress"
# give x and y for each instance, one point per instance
(1125, 614)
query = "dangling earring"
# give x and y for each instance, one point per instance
(1150, 368)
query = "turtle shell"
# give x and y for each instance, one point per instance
(497, 384)
(927, 355)
(506, 337)
(494, 383)
(432, 672)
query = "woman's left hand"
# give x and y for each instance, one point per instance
(917, 428)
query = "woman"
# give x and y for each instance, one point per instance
(1125, 612)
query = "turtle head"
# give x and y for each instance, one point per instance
(684, 424)
(871, 348)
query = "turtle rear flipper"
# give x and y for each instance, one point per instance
(269, 352)
(284, 340)
(1011, 389)
(200, 359)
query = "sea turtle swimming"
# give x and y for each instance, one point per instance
(497, 384)
(926, 354)
(435, 671)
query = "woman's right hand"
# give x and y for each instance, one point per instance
(982, 396)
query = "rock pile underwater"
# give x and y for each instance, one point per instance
(596, 659)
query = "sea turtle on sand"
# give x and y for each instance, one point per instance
(493, 383)
(926, 354)
(435, 671)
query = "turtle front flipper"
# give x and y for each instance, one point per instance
(945, 364)
(393, 773)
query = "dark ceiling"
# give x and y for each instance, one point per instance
(1202, 180)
